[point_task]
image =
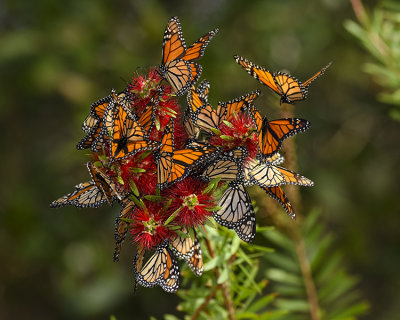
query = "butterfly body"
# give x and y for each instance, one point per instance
(175, 165)
(177, 64)
(129, 134)
(271, 133)
(188, 249)
(237, 211)
(161, 269)
(288, 87)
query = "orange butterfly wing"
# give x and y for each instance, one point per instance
(178, 66)
(196, 50)
(237, 105)
(275, 131)
(261, 74)
(315, 76)
(173, 43)
(278, 194)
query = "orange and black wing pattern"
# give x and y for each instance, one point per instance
(85, 195)
(278, 194)
(275, 131)
(127, 135)
(147, 118)
(188, 249)
(272, 133)
(161, 269)
(103, 182)
(288, 87)
(121, 226)
(237, 105)
(264, 76)
(265, 174)
(93, 125)
(236, 211)
(175, 165)
(317, 75)
(177, 65)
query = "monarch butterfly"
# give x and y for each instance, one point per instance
(93, 124)
(128, 135)
(103, 182)
(188, 249)
(278, 194)
(175, 165)
(236, 211)
(121, 226)
(92, 193)
(228, 166)
(268, 175)
(289, 88)
(161, 269)
(86, 194)
(191, 130)
(177, 65)
(276, 159)
(272, 133)
(137, 263)
(205, 117)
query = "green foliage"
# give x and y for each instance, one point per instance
(245, 270)
(379, 33)
(338, 296)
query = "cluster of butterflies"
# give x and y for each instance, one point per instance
(115, 130)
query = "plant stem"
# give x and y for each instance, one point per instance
(223, 286)
(359, 11)
(294, 228)
(206, 301)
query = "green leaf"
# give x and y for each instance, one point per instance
(262, 303)
(226, 138)
(119, 179)
(137, 170)
(223, 277)
(213, 208)
(134, 188)
(139, 203)
(172, 216)
(212, 185)
(215, 131)
(228, 124)
(293, 305)
(279, 275)
(153, 198)
(253, 247)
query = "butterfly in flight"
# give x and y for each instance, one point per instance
(175, 165)
(272, 133)
(288, 87)
(178, 64)
(161, 269)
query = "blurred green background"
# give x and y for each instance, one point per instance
(57, 57)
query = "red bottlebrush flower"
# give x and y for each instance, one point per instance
(240, 131)
(147, 228)
(142, 85)
(142, 171)
(189, 198)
